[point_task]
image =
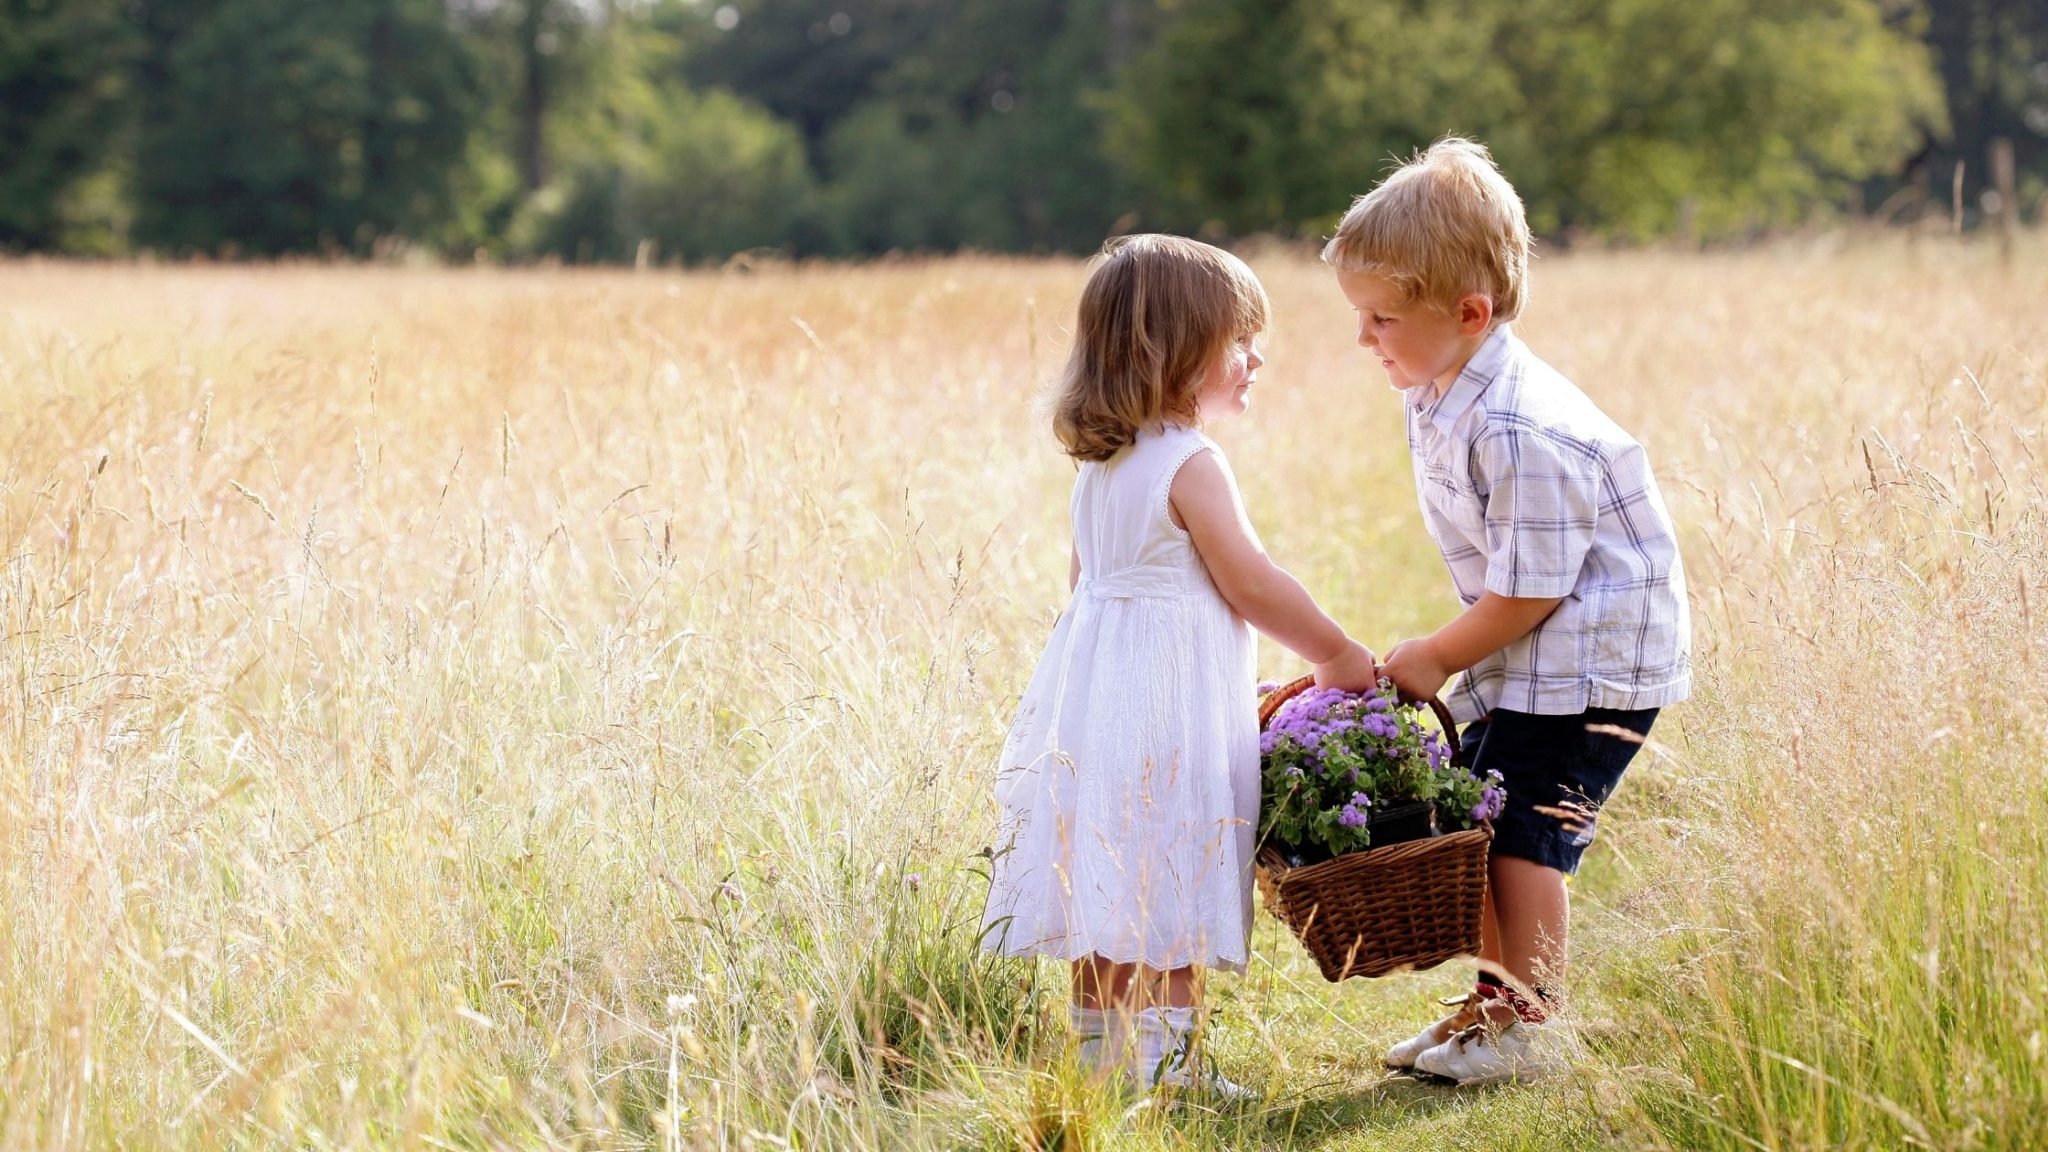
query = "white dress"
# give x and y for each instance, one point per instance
(1129, 785)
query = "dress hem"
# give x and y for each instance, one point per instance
(1217, 962)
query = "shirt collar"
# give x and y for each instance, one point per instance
(1480, 371)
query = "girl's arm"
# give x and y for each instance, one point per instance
(1074, 571)
(1205, 502)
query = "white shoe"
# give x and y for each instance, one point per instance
(1402, 1056)
(1521, 1052)
(1210, 1083)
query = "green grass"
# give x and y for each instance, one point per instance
(527, 710)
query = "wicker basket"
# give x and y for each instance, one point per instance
(1406, 906)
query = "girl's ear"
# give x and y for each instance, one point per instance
(1475, 313)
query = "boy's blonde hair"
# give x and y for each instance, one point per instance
(1156, 313)
(1445, 224)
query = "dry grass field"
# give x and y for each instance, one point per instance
(521, 709)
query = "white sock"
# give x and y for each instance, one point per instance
(1159, 1054)
(1105, 1035)
(1091, 1028)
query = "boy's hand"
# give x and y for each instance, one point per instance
(1352, 669)
(1415, 668)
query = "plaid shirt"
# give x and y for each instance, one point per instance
(1532, 491)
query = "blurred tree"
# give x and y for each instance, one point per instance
(1629, 117)
(1993, 56)
(62, 66)
(584, 128)
(1250, 116)
(700, 176)
(942, 123)
(639, 158)
(812, 61)
(1711, 118)
(272, 127)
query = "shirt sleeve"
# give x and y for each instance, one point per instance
(1542, 505)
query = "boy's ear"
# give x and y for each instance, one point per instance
(1475, 313)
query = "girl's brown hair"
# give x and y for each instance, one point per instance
(1156, 313)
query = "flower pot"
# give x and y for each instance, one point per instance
(1396, 825)
(1405, 822)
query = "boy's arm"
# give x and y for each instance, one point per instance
(1259, 590)
(1420, 666)
(1541, 509)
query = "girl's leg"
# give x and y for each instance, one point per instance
(1100, 1016)
(1100, 983)
(1140, 1020)
(1104, 985)
(1179, 987)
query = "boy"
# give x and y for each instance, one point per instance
(1575, 629)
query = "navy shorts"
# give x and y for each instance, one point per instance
(1557, 773)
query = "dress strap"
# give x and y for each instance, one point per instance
(1187, 444)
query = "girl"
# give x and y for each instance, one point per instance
(1129, 785)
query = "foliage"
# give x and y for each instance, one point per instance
(698, 176)
(1710, 118)
(985, 134)
(273, 128)
(1632, 117)
(608, 129)
(61, 98)
(1993, 57)
(1329, 760)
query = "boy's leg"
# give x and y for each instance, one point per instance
(1534, 911)
(1471, 1008)
(1558, 771)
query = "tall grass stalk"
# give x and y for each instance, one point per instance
(557, 709)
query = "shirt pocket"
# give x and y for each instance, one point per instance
(1460, 507)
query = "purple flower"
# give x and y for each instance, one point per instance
(1355, 813)
(1490, 803)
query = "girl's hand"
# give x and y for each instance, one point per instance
(1352, 669)
(1415, 668)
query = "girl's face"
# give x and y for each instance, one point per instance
(1226, 389)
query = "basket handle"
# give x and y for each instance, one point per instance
(1289, 691)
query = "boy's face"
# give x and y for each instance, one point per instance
(1416, 344)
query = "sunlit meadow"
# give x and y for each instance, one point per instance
(532, 709)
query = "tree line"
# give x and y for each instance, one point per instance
(616, 130)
